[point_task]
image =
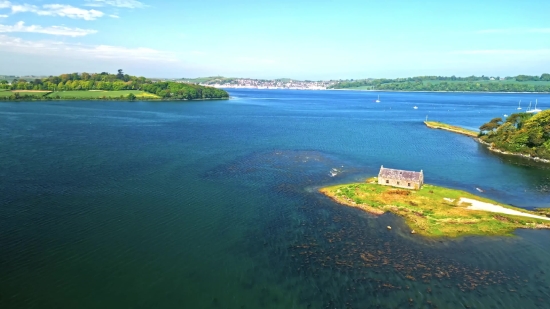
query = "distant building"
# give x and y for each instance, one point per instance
(400, 178)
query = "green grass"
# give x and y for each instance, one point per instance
(4, 93)
(100, 94)
(448, 127)
(428, 213)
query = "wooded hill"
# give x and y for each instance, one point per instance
(113, 82)
(520, 83)
(520, 133)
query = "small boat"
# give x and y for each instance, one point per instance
(378, 100)
(478, 189)
(333, 172)
(535, 110)
(505, 115)
(415, 107)
(519, 106)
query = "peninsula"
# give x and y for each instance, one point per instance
(434, 211)
(104, 86)
(448, 127)
(522, 134)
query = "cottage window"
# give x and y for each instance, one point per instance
(398, 183)
(387, 181)
(409, 184)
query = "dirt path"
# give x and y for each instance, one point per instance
(477, 205)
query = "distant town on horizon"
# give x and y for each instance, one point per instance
(519, 83)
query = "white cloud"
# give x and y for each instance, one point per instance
(62, 10)
(114, 16)
(130, 4)
(3, 16)
(4, 4)
(53, 30)
(105, 52)
(515, 31)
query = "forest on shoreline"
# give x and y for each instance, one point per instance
(520, 83)
(104, 86)
(521, 133)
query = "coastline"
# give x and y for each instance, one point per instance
(110, 99)
(450, 128)
(434, 211)
(425, 91)
(489, 145)
(491, 148)
(377, 90)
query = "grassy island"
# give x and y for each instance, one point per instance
(448, 127)
(436, 211)
(104, 86)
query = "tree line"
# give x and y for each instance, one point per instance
(469, 86)
(452, 83)
(520, 133)
(115, 82)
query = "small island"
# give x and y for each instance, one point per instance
(104, 86)
(434, 211)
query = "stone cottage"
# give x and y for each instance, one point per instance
(400, 178)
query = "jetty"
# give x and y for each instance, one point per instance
(451, 128)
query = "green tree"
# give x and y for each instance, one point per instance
(131, 97)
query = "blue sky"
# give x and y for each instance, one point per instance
(269, 39)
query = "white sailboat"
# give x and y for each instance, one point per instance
(378, 100)
(519, 106)
(535, 110)
(415, 107)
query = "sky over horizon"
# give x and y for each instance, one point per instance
(323, 39)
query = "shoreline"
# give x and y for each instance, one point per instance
(450, 128)
(366, 90)
(434, 211)
(491, 148)
(426, 91)
(488, 145)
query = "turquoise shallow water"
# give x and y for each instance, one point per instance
(215, 204)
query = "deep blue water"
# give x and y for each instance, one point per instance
(215, 205)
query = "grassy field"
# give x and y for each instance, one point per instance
(448, 127)
(100, 94)
(432, 211)
(4, 93)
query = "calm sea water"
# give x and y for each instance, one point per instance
(215, 204)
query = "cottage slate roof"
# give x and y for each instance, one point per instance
(400, 174)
